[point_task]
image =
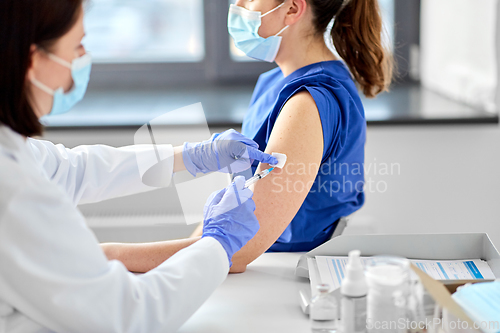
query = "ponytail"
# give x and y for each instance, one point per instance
(357, 37)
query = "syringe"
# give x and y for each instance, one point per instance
(257, 177)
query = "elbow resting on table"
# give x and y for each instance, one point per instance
(111, 250)
(238, 268)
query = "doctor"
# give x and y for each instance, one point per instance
(54, 277)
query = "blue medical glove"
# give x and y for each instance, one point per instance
(229, 217)
(229, 152)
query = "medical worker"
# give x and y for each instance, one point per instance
(54, 276)
(308, 108)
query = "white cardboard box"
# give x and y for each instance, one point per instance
(415, 246)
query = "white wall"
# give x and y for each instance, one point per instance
(449, 180)
(459, 50)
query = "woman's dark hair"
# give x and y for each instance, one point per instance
(357, 35)
(25, 23)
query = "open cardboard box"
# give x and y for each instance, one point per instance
(415, 246)
(441, 294)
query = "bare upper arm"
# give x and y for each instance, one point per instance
(297, 133)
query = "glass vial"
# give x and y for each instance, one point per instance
(324, 311)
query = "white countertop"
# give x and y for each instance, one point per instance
(263, 299)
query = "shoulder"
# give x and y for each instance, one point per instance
(298, 133)
(299, 120)
(18, 176)
(301, 104)
(334, 69)
(41, 147)
(312, 100)
(332, 78)
(24, 191)
(334, 93)
(272, 74)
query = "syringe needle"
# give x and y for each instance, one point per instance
(257, 177)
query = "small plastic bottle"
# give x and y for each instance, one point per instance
(324, 311)
(354, 290)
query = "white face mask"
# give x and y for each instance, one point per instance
(80, 72)
(243, 26)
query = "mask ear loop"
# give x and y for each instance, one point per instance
(39, 84)
(58, 60)
(55, 58)
(42, 86)
(272, 10)
(279, 33)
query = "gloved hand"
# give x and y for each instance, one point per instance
(229, 152)
(229, 217)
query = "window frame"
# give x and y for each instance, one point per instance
(217, 65)
(406, 36)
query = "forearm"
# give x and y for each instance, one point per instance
(247, 254)
(198, 231)
(273, 213)
(143, 257)
(178, 160)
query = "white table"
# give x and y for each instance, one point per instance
(263, 299)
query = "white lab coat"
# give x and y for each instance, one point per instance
(54, 276)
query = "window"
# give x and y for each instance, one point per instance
(145, 31)
(387, 8)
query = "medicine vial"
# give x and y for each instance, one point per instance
(323, 311)
(354, 290)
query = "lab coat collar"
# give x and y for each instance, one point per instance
(11, 140)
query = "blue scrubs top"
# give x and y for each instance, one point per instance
(338, 188)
